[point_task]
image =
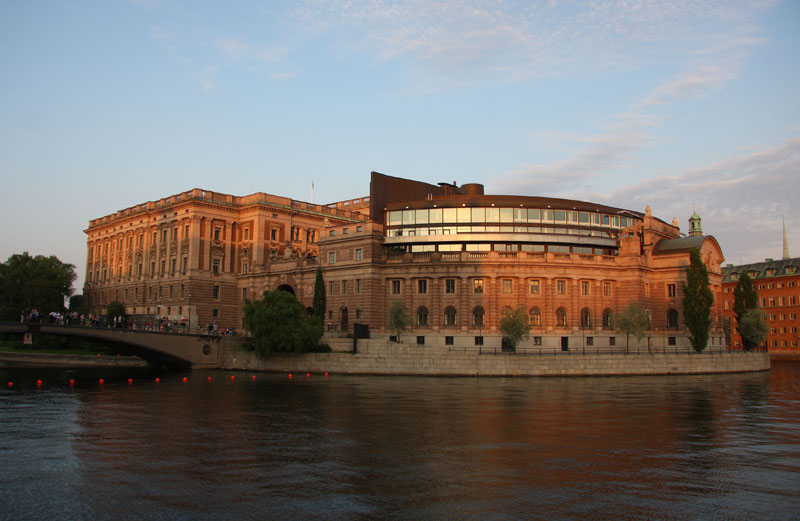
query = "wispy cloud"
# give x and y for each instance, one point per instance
(469, 41)
(231, 47)
(741, 200)
(207, 78)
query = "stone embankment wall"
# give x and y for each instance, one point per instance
(71, 360)
(380, 357)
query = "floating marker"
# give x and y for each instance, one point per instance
(72, 382)
(209, 378)
(326, 375)
(233, 378)
(117, 354)
(185, 379)
(308, 375)
(98, 355)
(39, 382)
(102, 381)
(158, 380)
(11, 384)
(290, 376)
(254, 377)
(130, 381)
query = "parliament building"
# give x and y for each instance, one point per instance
(457, 258)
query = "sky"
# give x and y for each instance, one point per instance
(677, 105)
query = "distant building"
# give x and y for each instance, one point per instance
(456, 257)
(778, 286)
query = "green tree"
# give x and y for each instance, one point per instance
(727, 329)
(745, 298)
(399, 319)
(77, 303)
(115, 309)
(697, 301)
(37, 282)
(514, 325)
(633, 321)
(318, 307)
(752, 328)
(278, 324)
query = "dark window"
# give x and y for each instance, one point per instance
(420, 340)
(448, 340)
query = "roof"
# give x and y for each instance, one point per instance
(761, 270)
(679, 245)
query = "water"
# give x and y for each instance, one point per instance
(344, 447)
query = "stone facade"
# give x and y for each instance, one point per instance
(457, 258)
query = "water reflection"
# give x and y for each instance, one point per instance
(689, 447)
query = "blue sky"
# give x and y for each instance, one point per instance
(107, 104)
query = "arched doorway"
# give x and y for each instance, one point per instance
(343, 319)
(287, 288)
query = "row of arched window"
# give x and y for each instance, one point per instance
(535, 317)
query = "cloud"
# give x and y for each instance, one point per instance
(474, 41)
(741, 200)
(231, 47)
(695, 84)
(207, 78)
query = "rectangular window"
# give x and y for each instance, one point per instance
(612, 341)
(215, 313)
(359, 254)
(273, 234)
(672, 290)
(182, 290)
(537, 340)
(535, 287)
(358, 313)
(589, 340)
(450, 285)
(332, 257)
(606, 289)
(244, 269)
(186, 231)
(478, 340)
(215, 266)
(508, 286)
(585, 287)
(170, 291)
(215, 292)
(448, 340)
(358, 286)
(671, 340)
(422, 287)
(477, 285)
(173, 264)
(420, 340)
(185, 264)
(331, 287)
(247, 234)
(344, 287)
(217, 233)
(395, 287)
(561, 287)
(163, 266)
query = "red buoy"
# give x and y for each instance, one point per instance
(117, 354)
(308, 375)
(326, 375)
(102, 381)
(290, 376)
(71, 382)
(98, 354)
(185, 379)
(233, 378)
(11, 384)
(209, 378)
(254, 377)
(130, 381)
(38, 383)
(158, 380)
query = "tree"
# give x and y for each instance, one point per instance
(633, 320)
(514, 325)
(753, 328)
(697, 301)
(726, 329)
(77, 303)
(745, 298)
(318, 307)
(115, 309)
(40, 282)
(278, 324)
(399, 319)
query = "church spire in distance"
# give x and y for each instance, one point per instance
(785, 242)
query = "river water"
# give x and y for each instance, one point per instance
(347, 447)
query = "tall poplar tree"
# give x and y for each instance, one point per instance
(318, 307)
(697, 301)
(746, 298)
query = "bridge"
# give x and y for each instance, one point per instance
(196, 351)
